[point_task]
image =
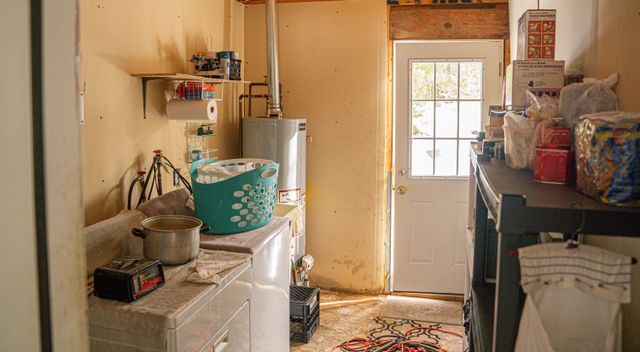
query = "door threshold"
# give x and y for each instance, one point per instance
(438, 296)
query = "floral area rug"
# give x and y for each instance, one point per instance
(388, 327)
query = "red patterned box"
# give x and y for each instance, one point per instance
(537, 35)
(554, 166)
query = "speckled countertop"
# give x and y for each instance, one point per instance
(245, 242)
(162, 308)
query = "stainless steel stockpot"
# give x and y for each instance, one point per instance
(171, 239)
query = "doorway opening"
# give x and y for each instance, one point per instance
(442, 92)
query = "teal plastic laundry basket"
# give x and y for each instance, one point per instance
(241, 203)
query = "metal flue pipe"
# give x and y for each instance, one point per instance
(274, 109)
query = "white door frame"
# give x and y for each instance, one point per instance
(43, 245)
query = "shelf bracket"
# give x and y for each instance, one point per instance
(145, 80)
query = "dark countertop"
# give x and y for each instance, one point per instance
(504, 180)
(522, 205)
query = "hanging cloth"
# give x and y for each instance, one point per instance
(573, 298)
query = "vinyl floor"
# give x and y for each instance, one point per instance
(345, 316)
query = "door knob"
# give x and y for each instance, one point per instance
(402, 189)
(403, 172)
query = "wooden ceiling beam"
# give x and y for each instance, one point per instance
(441, 2)
(393, 2)
(472, 21)
(255, 2)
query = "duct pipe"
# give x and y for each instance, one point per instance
(274, 109)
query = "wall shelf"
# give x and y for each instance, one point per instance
(195, 141)
(524, 209)
(206, 154)
(200, 135)
(176, 76)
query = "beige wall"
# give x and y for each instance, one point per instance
(333, 71)
(18, 273)
(618, 50)
(121, 37)
(602, 36)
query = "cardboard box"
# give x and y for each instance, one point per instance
(538, 76)
(494, 133)
(496, 121)
(537, 35)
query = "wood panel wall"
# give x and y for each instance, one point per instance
(470, 21)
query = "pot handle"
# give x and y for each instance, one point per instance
(205, 228)
(138, 233)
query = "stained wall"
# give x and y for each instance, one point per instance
(118, 38)
(332, 69)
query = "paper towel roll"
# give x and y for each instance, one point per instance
(192, 110)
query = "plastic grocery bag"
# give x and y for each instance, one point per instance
(608, 157)
(588, 97)
(519, 144)
(545, 107)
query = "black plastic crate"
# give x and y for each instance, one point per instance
(301, 330)
(304, 316)
(303, 300)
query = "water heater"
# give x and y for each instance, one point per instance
(285, 142)
(279, 139)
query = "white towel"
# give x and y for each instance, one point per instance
(573, 298)
(210, 263)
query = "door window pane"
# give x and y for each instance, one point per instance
(446, 108)
(463, 157)
(470, 118)
(446, 119)
(446, 157)
(471, 80)
(422, 157)
(422, 122)
(447, 80)
(422, 80)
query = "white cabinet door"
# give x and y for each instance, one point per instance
(270, 295)
(235, 335)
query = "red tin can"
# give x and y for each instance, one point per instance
(554, 166)
(556, 137)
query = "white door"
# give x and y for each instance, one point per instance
(442, 95)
